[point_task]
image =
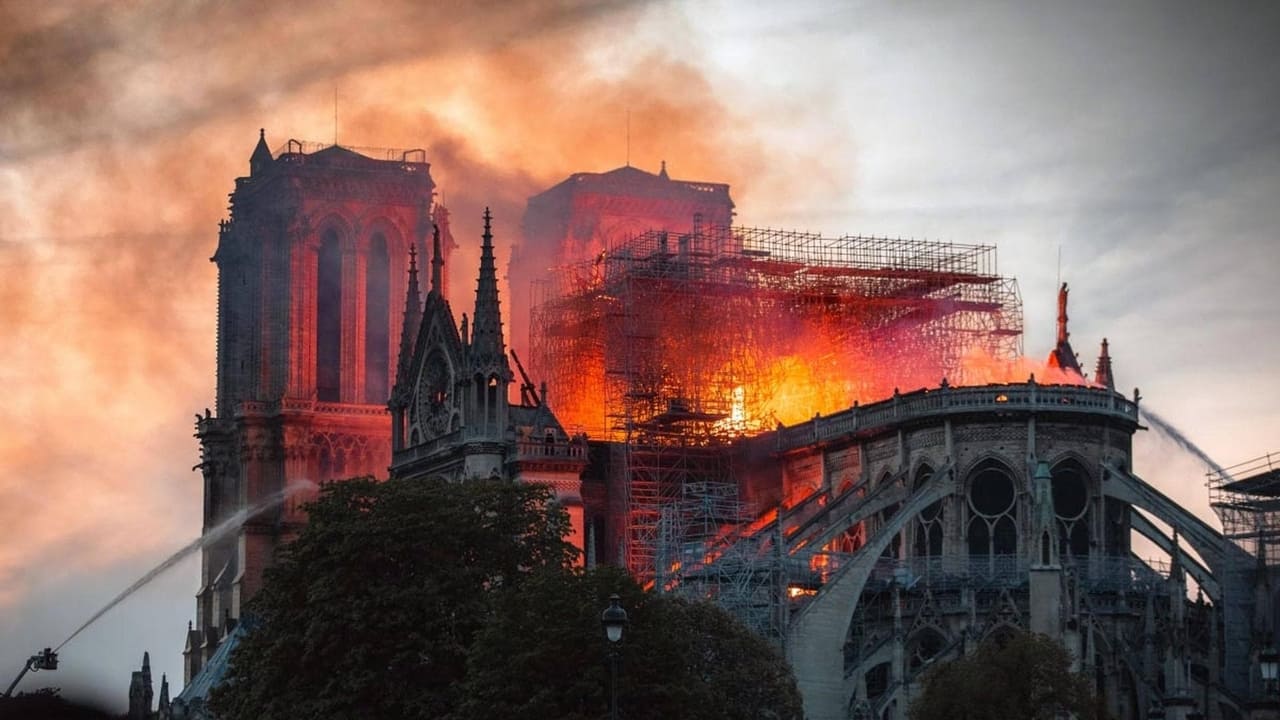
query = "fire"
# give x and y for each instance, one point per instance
(982, 369)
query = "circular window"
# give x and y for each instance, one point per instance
(991, 492)
(1070, 494)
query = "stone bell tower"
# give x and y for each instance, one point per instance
(311, 264)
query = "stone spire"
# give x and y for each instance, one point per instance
(1102, 370)
(146, 676)
(163, 705)
(437, 263)
(1045, 551)
(1062, 314)
(261, 158)
(1062, 356)
(487, 349)
(412, 319)
(140, 691)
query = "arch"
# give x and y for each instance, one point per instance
(375, 221)
(992, 500)
(328, 347)
(922, 648)
(855, 507)
(929, 530)
(1207, 542)
(1072, 486)
(922, 475)
(492, 387)
(1001, 633)
(979, 535)
(989, 460)
(928, 540)
(816, 634)
(1004, 537)
(334, 220)
(876, 679)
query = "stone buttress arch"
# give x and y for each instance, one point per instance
(815, 637)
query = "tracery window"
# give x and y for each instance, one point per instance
(1071, 506)
(929, 524)
(993, 529)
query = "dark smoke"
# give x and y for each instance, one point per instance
(67, 68)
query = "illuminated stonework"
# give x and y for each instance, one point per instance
(311, 267)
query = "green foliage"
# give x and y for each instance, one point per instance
(371, 611)
(1026, 676)
(459, 601)
(545, 656)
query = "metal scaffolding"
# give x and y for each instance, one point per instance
(697, 558)
(674, 345)
(1246, 498)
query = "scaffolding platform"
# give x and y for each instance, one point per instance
(1246, 497)
(675, 345)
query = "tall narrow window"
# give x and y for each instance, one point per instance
(329, 319)
(377, 324)
(491, 404)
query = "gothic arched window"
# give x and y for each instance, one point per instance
(1071, 505)
(928, 539)
(993, 506)
(377, 322)
(329, 319)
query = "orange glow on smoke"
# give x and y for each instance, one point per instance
(982, 369)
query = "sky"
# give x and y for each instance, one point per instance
(1138, 142)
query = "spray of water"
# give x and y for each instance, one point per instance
(215, 534)
(1163, 427)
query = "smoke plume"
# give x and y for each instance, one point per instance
(122, 130)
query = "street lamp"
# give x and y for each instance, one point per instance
(614, 618)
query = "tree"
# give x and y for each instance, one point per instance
(48, 704)
(1025, 676)
(544, 655)
(371, 611)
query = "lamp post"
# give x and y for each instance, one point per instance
(614, 618)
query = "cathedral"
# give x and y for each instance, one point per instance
(888, 530)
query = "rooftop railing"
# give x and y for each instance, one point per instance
(1028, 397)
(308, 147)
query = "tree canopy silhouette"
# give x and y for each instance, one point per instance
(412, 599)
(1020, 676)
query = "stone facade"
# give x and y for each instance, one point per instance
(310, 265)
(451, 415)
